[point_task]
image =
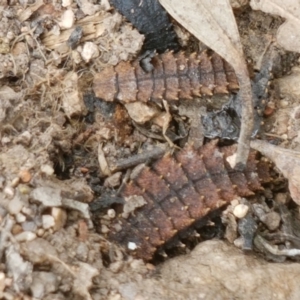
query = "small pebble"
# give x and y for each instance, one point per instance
(231, 160)
(235, 202)
(47, 169)
(67, 19)
(66, 3)
(16, 229)
(15, 205)
(26, 211)
(9, 191)
(48, 221)
(104, 229)
(25, 236)
(240, 210)
(40, 232)
(283, 103)
(25, 176)
(20, 218)
(89, 51)
(239, 242)
(269, 110)
(111, 213)
(271, 220)
(24, 189)
(15, 182)
(281, 198)
(29, 226)
(5, 140)
(131, 246)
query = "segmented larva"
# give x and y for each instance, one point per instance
(174, 76)
(181, 189)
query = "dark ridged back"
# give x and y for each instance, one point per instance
(174, 76)
(181, 189)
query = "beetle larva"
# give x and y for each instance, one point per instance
(179, 190)
(174, 76)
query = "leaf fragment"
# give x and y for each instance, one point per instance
(288, 34)
(287, 161)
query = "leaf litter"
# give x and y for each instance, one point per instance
(39, 136)
(288, 34)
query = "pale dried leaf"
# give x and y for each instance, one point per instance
(141, 112)
(287, 161)
(288, 34)
(212, 22)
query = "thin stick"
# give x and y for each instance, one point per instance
(247, 115)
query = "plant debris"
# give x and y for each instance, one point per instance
(66, 157)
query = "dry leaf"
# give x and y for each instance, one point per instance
(213, 23)
(288, 34)
(287, 161)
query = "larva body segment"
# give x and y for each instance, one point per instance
(174, 76)
(181, 189)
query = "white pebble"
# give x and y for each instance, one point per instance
(9, 191)
(235, 202)
(20, 218)
(241, 210)
(40, 232)
(239, 242)
(67, 19)
(48, 221)
(66, 3)
(104, 229)
(111, 213)
(5, 140)
(131, 246)
(25, 236)
(26, 211)
(231, 160)
(89, 51)
(47, 169)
